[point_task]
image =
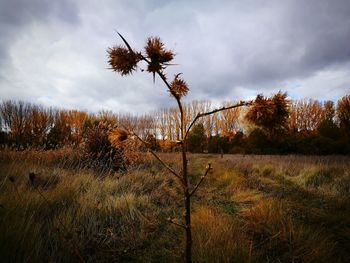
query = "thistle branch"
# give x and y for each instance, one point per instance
(202, 178)
(201, 115)
(171, 170)
(126, 43)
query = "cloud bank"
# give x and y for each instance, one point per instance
(54, 52)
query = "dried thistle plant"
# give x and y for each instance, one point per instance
(157, 58)
(128, 147)
(117, 135)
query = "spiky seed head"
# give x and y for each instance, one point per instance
(157, 54)
(179, 87)
(117, 135)
(122, 60)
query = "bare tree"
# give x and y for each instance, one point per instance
(15, 115)
(161, 123)
(306, 115)
(229, 119)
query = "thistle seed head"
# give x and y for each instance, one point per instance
(123, 60)
(157, 54)
(179, 87)
(121, 134)
(117, 135)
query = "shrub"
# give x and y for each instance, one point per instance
(99, 151)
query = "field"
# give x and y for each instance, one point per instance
(248, 209)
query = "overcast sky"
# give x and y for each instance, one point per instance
(54, 52)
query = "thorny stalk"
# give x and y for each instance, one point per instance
(202, 179)
(125, 61)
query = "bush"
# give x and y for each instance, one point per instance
(99, 151)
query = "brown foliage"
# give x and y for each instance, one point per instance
(270, 113)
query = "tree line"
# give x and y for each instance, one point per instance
(274, 125)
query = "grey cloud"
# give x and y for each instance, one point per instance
(20, 12)
(18, 15)
(297, 41)
(226, 50)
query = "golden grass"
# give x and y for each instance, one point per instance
(248, 209)
(218, 238)
(280, 237)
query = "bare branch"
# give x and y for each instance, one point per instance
(161, 75)
(163, 78)
(157, 157)
(201, 115)
(202, 178)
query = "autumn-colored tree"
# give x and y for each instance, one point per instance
(271, 114)
(39, 124)
(329, 111)
(228, 120)
(60, 132)
(327, 128)
(144, 126)
(76, 120)
(305, 116)
(343, 114)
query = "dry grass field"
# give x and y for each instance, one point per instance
(249, 209)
